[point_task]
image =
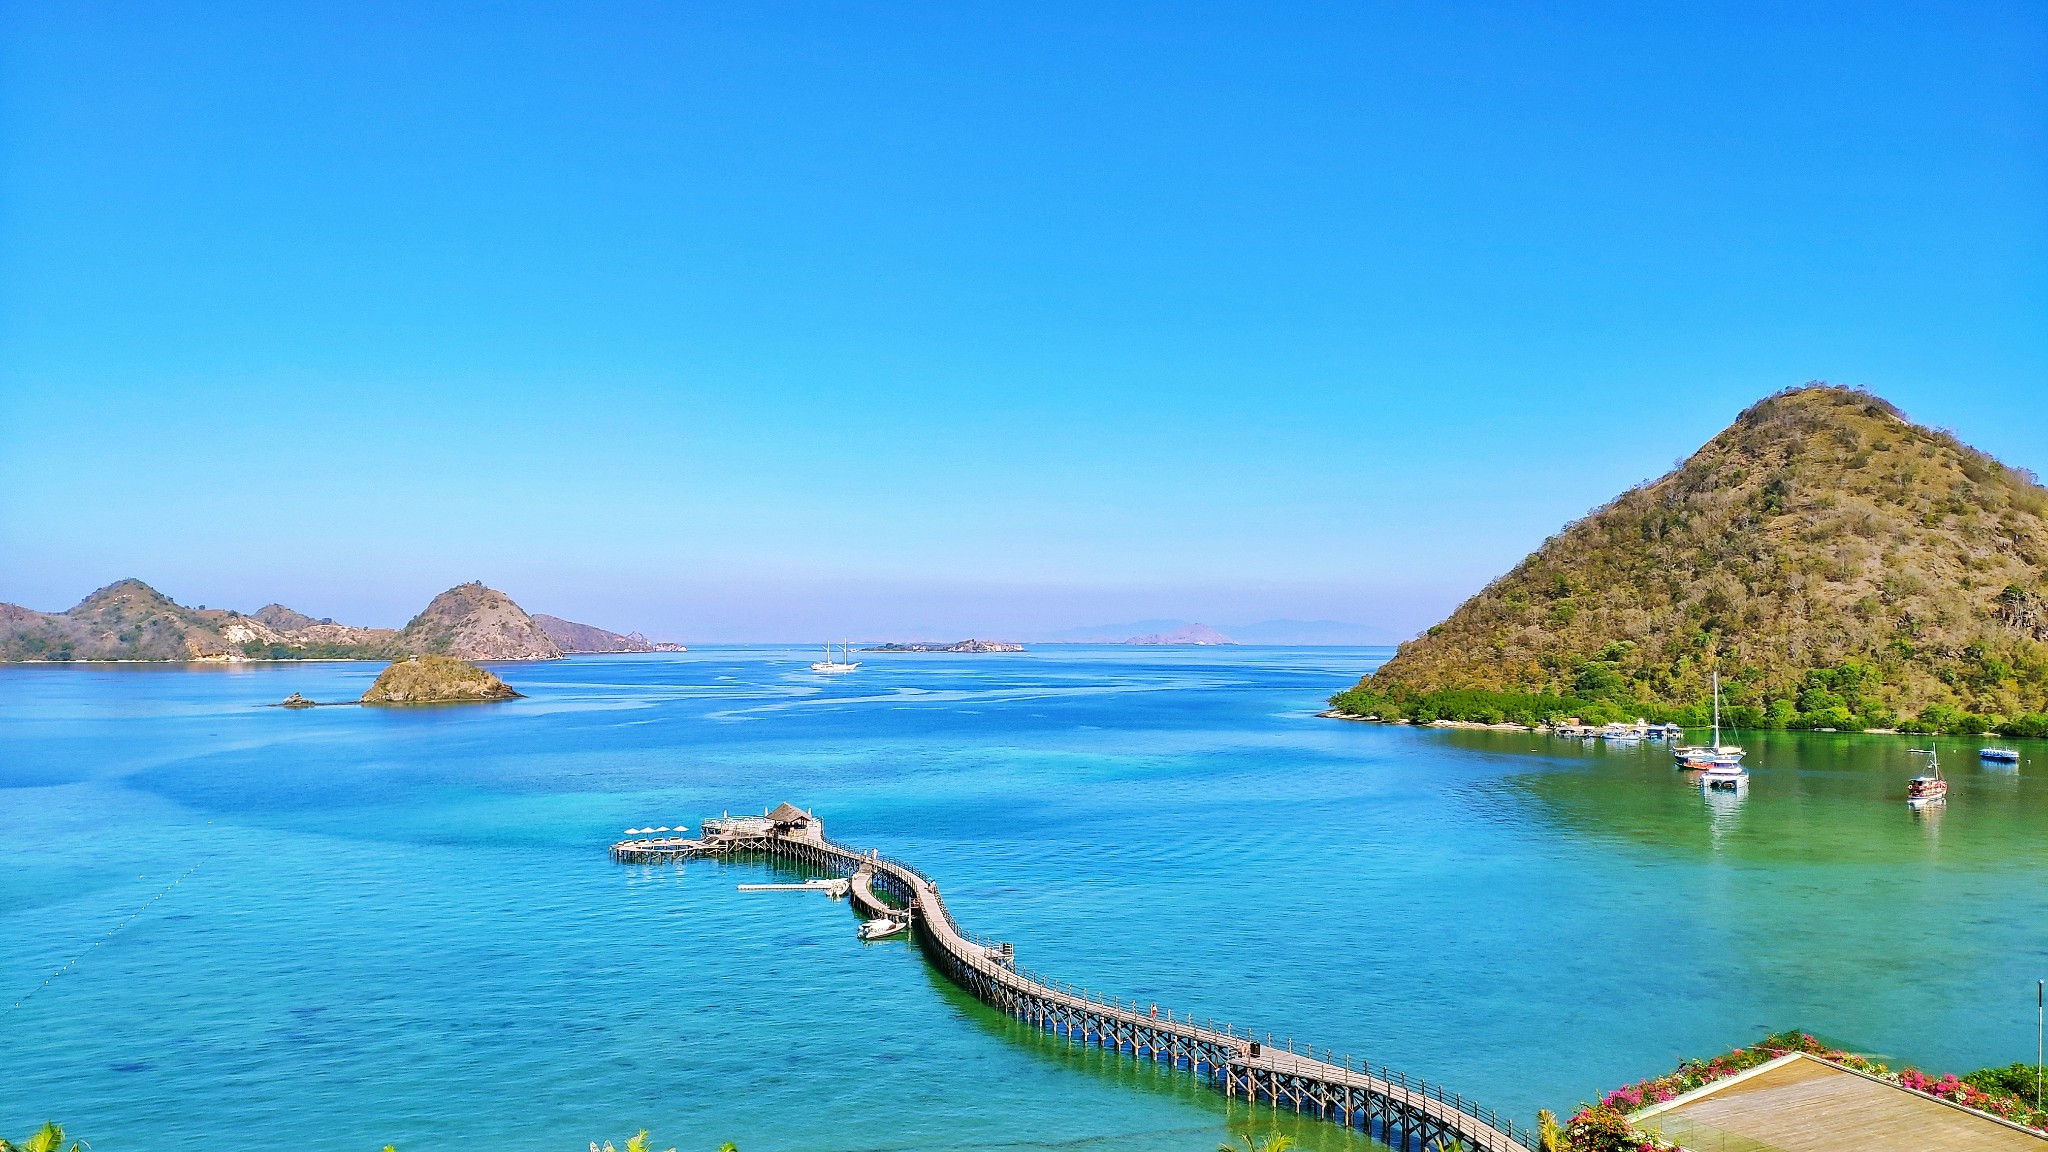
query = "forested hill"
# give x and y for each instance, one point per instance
(1840, 566)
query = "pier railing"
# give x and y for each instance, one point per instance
(1400, 1110)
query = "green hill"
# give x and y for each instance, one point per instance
(1839, 566)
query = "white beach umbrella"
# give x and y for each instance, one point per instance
(663, 828)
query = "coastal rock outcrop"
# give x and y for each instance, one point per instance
(436, 680)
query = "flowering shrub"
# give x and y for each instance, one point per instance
(1962, 1092)
(1605, 1127)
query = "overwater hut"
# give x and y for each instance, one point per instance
(788, 818)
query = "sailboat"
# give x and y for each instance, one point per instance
(1707, 755)
(1929, 788)
(846, 663)
(1720, 764)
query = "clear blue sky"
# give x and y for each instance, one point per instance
(767, 320)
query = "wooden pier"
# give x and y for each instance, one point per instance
(1402, 1112)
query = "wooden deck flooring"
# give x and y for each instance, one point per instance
(1809, 1106)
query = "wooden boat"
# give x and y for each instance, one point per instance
(1930, 788)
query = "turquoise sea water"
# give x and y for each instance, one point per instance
(338, 928)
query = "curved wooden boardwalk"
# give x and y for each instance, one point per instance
(1402, 1112)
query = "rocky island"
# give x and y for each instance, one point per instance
(436, 680)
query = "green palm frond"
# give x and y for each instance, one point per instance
(48, 1138)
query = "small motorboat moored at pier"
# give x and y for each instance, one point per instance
(883, 926)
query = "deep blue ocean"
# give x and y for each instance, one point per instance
(339, 928)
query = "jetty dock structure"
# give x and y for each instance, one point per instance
(1399, 1110)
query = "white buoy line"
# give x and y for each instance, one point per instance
(110, 934)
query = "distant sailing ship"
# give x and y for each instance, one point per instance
(845, 664)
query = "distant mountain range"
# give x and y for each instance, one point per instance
(129, 620)
(1285, 632)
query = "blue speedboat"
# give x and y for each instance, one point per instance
(1999, 755)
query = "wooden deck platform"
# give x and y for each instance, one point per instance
(1801, 1104)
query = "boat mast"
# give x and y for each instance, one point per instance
(1717, 709)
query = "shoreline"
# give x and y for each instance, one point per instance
(1504, 726)
(1333, 714)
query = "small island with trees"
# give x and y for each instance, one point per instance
(423, 680)
(436, 680)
